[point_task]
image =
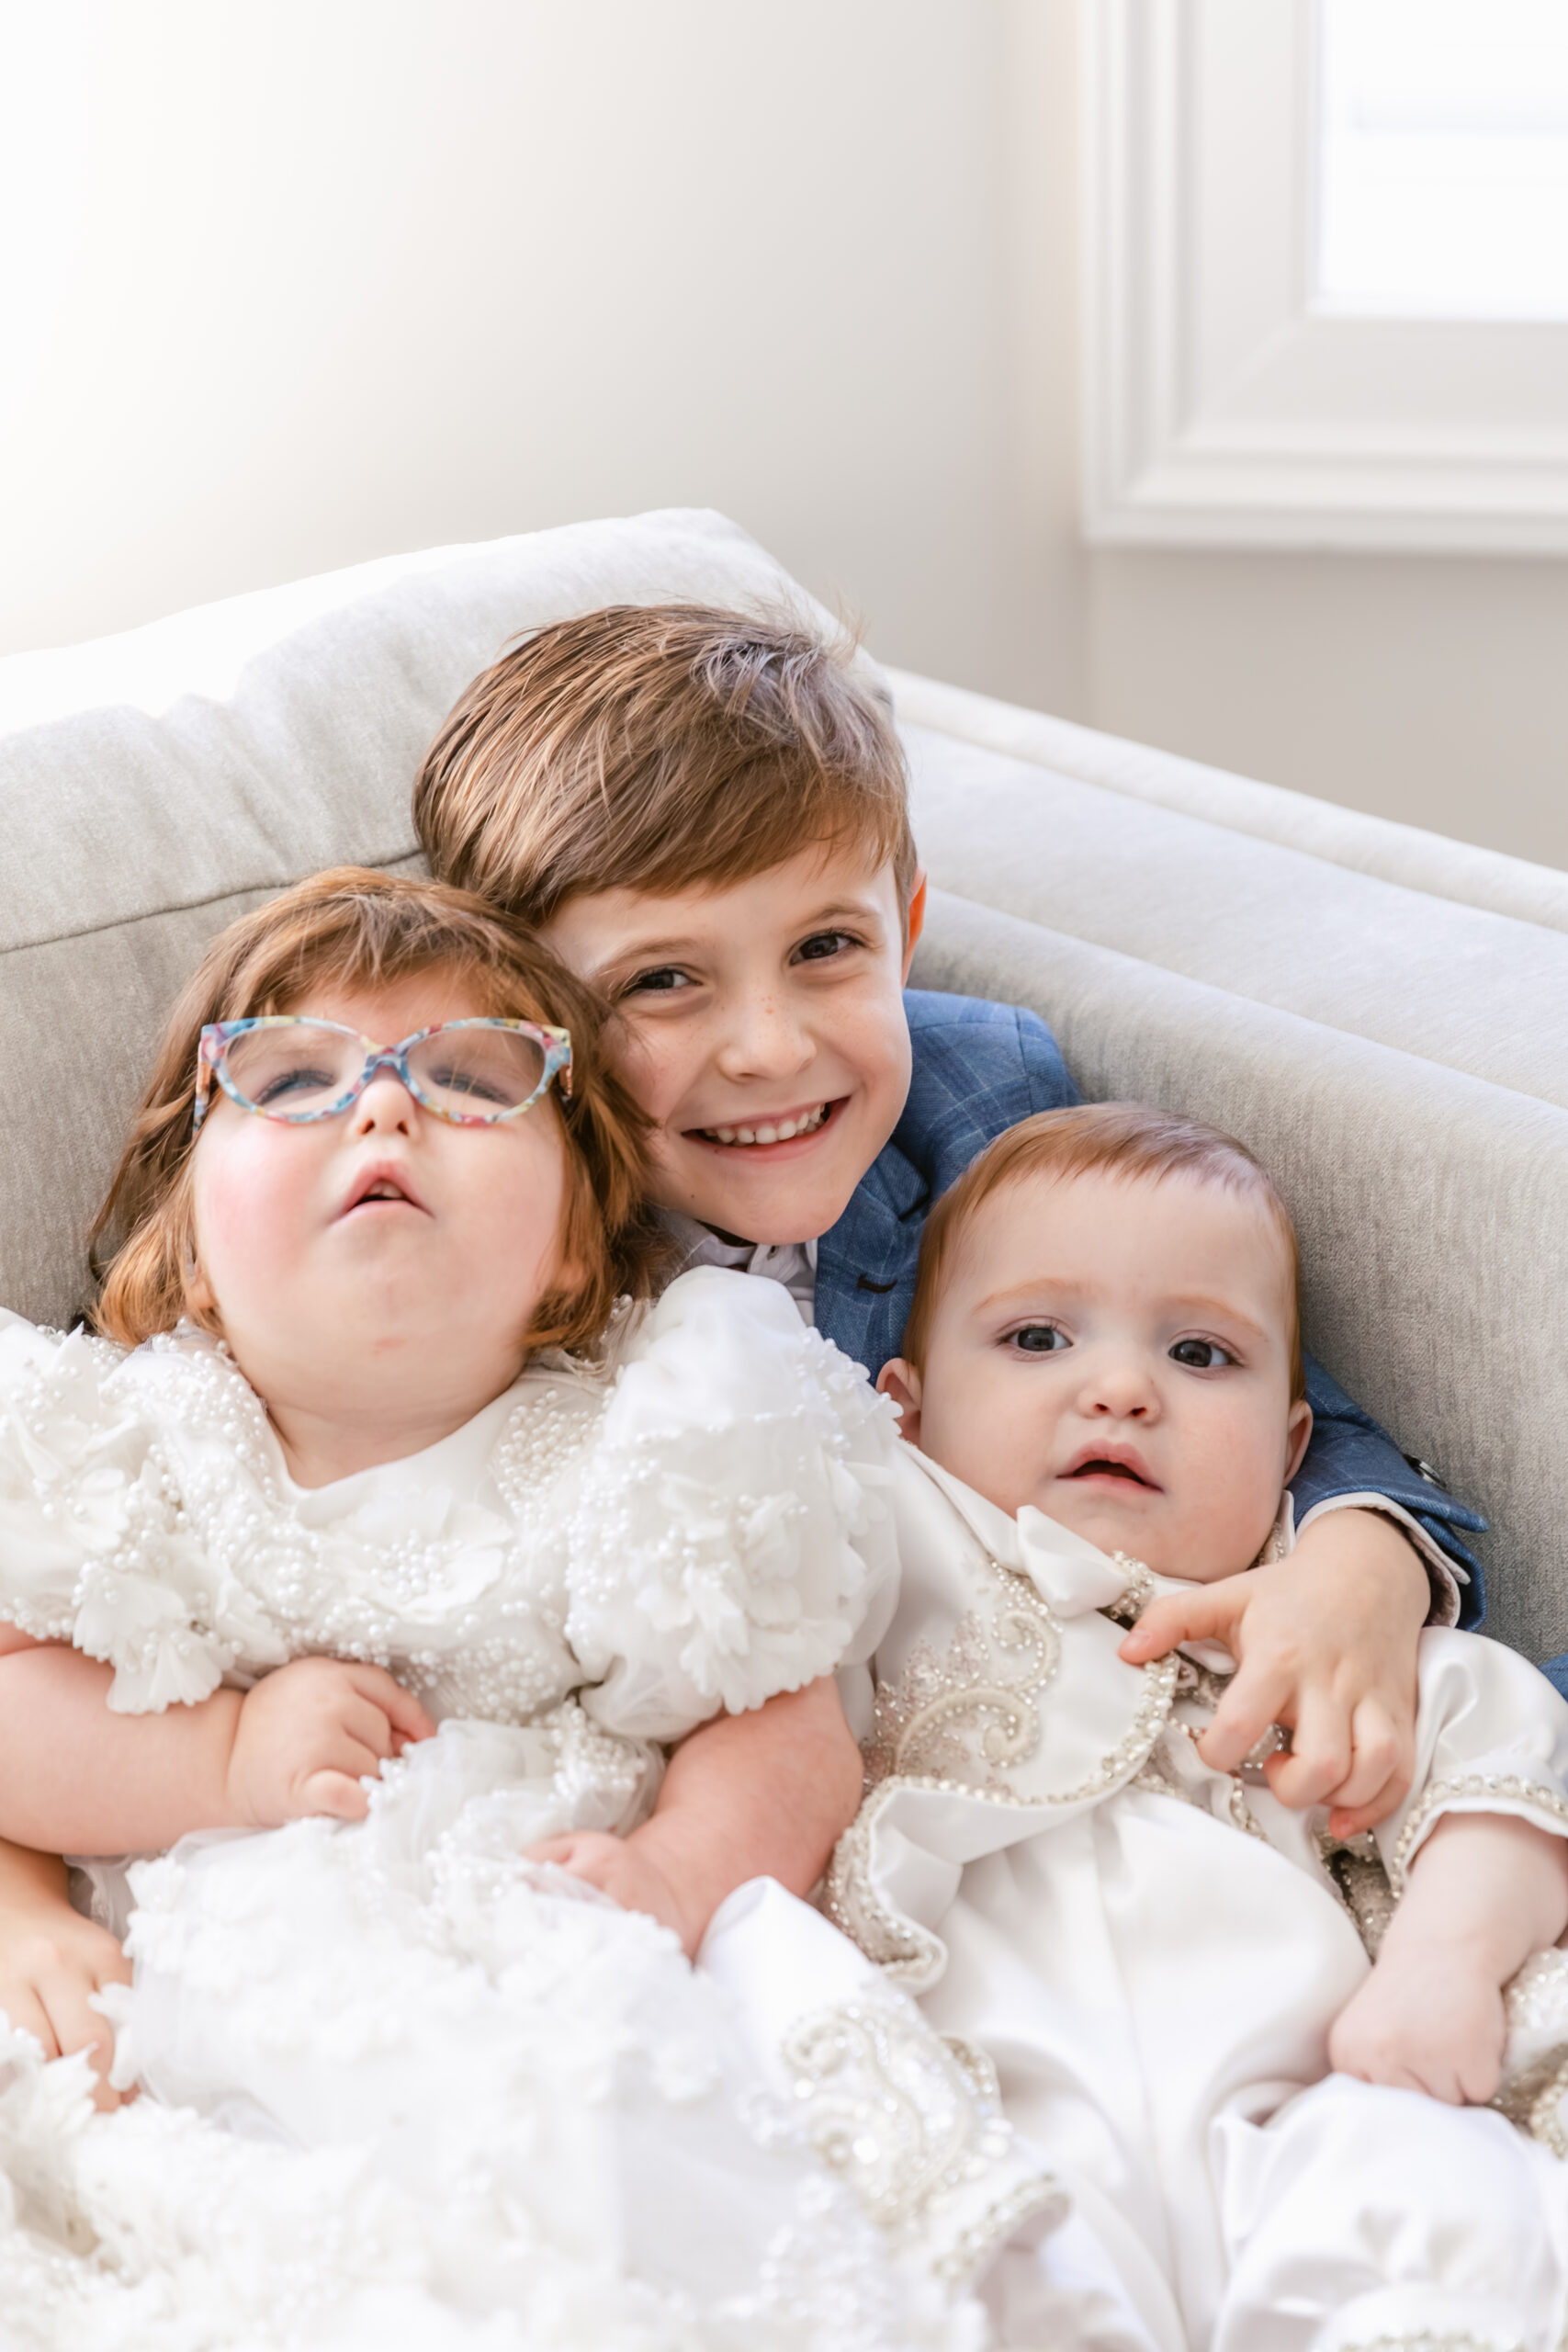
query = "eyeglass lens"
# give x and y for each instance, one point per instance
(303, 1068)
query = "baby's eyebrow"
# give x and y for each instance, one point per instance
(1043, 1292)
(1047, 1291)
(1222, 1309)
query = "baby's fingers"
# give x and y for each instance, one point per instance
(337, 1795)
(588, 1854)
(1206, 1613)
(79, 2027)
(23, 2010)
(552, 1850)
(365, 1725)
(403, 1712)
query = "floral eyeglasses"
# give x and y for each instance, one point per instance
(470, 1073)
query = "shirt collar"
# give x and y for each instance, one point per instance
(793, 1263)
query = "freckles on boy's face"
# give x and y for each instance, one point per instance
(762, 1025)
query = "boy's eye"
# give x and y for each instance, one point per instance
(664, 979)
(1201, 1355)
(1039, 1338)
(822, 944)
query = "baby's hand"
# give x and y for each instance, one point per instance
(1424, 2021)
(308, 1735)
(624, 1868)
(52, 1962)
(1325, 1643)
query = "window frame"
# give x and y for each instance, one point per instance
(1220, 410)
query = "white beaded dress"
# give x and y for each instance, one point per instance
(1152, 1953)
(400, 2085)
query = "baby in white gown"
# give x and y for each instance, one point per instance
(347, 1585)
(1266, 2136)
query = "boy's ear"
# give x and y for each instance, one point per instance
(902, 1383)
(915, 921)
(1298, 1433)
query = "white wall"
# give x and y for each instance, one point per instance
(1432, 689)
(295, 283)
(288, 283)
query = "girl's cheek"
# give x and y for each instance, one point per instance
(247, 1208)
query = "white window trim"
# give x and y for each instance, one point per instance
(1218, 410)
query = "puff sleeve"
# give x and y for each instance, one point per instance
(93, 1547)
(732, 1537)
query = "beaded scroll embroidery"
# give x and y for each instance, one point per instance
(952, 1722)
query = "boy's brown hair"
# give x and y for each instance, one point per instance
(1118, 1139)
(362, 928)
(649, 747)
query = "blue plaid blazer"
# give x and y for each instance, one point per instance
(979, 1068)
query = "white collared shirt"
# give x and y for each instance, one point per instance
(793, 1263)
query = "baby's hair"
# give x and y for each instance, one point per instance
(649, 747)
(1119, 1139)
(357, 928)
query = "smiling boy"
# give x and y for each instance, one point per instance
(707, 816)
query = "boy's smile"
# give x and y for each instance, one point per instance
(762, 1025)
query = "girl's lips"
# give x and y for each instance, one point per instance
(380, 1186)
(809, 1127)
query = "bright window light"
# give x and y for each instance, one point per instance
(1443, 159)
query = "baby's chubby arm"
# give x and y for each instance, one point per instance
(1485, 1891)
(77, 1778)
(1325, 1643)
(766, 1793)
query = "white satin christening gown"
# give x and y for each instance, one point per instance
(400, 2085)
(1152, 1953)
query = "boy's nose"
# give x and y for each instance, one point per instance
(762, 1039)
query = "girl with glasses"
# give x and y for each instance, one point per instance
(370, 1525)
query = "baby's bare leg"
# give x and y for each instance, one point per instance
(51, 1959)
(1486, 1892)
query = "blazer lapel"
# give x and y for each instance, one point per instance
(865, 1265)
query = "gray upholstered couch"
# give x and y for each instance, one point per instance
(1377, 1011)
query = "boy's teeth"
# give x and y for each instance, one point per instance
(773, 1131)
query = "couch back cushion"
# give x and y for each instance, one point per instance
(154, 786)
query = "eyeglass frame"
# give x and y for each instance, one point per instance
(217, 1035)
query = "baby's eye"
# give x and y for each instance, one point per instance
(1039, 1338)
(823, 944)
(664, 979)
(1201, 1355)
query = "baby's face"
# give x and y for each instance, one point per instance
(384, 1254)
(1115, 1351)
(761, 1026)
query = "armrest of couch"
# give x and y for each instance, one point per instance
(1395, 1055)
